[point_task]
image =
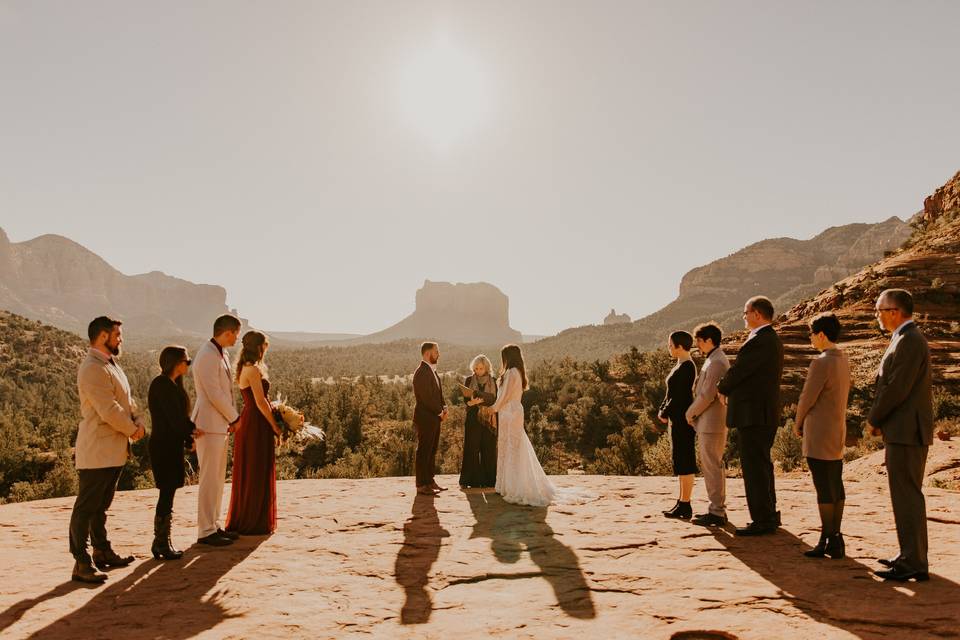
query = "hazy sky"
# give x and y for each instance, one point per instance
(321, 159)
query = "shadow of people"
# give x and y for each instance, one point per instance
(844, 593)
(513, 529)
(150, 598)
(16, 611)
(422, 537)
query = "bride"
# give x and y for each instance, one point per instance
(520, 478)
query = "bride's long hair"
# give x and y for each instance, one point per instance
(512, 358)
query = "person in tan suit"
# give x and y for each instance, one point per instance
(822, 423)
(902, 412)
(709, 418)
(109, 421)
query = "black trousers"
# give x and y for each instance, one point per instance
(165, 501)
(479, 465)
(89, 518)
(758, 479)
(428, 440)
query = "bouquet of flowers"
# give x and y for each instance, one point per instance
(292, 423)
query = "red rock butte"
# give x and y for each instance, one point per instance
(366, 558)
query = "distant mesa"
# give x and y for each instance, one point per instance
(474, 313)
(57, 281)
(616, 318)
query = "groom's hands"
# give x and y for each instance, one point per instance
(443, 414)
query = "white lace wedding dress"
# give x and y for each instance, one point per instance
(520, 478)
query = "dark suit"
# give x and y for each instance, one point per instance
(426, 419)
(752, 387)
(903, 411)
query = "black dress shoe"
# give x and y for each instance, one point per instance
(233, 535)
(755, 529)
(902, 575)
(889, 563)
(105, 558)
(86, 572)
(215, 540)
(709, 520)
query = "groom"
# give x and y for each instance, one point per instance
(216, 415)
(428, 413)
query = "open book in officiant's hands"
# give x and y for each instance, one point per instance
(467, 391)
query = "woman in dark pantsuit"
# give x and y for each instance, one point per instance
(171, 435)
(822, 423)
(673, 410)
(479, 466)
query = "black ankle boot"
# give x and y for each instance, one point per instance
(836, 548)
(681, 510)
(162, 546)
(820, 550)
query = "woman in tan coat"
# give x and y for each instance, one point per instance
(821, 422)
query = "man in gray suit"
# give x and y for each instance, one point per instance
(709, 417)
(903, 413)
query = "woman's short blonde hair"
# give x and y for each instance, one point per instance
(485, 360)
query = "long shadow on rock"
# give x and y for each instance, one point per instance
(422, 537)
(170, 600)
(844, 593)
(514, 529)
(16, 611)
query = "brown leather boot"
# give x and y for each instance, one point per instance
(108, 558)
(86, 572)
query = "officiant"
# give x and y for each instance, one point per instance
(479, 466)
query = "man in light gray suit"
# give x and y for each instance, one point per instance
(903, 413)
(709, 417)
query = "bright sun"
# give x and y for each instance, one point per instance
(444, 92)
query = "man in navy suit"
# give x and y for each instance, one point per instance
(751, 388)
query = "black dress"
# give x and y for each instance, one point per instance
(674, 407)
(479, 465)
(172, 431)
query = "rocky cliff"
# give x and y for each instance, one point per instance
(57, 281)
(927, 265)
(473, 313)
(785, 269)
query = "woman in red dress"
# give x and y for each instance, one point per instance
(253, 494)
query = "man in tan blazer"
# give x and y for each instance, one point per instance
(709, 417)
(903, 412)
(108, 422)
(215, 414)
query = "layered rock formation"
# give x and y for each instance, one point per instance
(928, 266)
(369, 558)
(785, 269)
(57, 281)
(473, 313)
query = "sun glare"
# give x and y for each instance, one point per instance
(444, 92)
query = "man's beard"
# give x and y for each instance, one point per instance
(115, 349)
(434, 359)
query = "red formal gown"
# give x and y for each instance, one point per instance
(253, 496)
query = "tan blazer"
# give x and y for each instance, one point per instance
(822, 408)
(707, 414)
(213, 378)
(107, 413)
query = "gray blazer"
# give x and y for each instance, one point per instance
(706, 413)
(822, 408)
(903, 399)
